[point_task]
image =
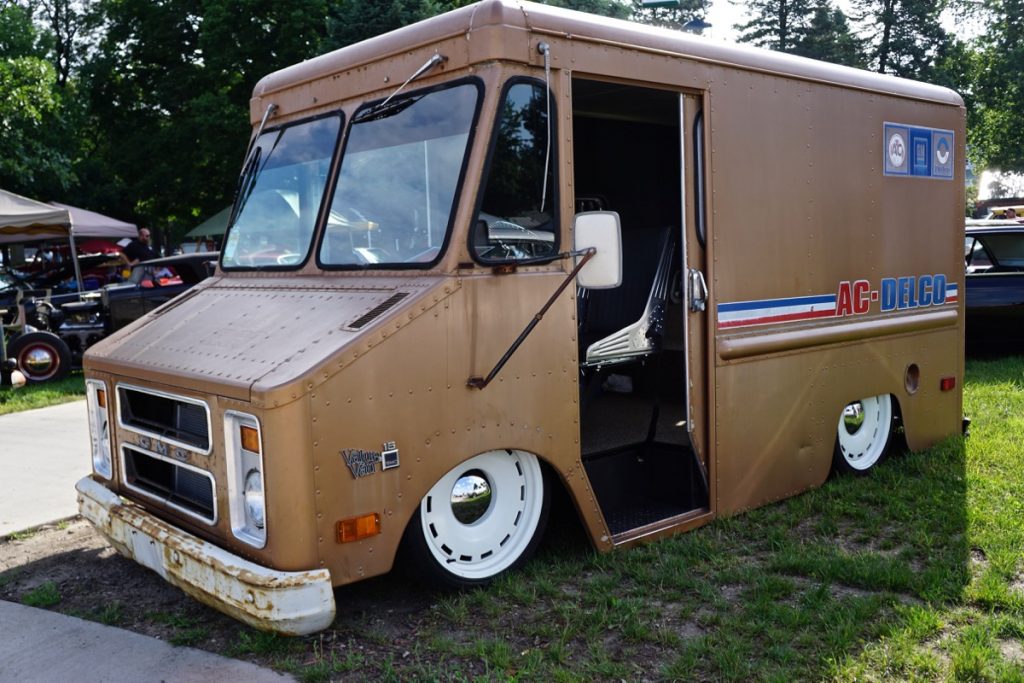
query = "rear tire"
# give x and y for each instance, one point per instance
(483, 518)
(40, 356)
(863, 435)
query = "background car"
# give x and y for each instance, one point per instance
(994, 257)
(68, 330)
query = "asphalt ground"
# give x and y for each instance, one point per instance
(42, 454)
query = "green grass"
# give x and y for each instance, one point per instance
(913, 573)
(33, 396)
(44, 595)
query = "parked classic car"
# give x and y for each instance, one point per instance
(994, 256)
(61, 334)
(152, 283)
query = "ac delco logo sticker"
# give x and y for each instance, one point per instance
(852, 297)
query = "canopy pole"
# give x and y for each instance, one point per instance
(74, 259)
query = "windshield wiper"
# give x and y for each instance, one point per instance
(383, 111)
(366, 114)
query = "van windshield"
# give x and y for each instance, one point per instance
(399, 176)
(279, 197)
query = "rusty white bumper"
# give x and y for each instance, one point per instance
(293, 603)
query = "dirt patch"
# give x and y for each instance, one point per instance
(93, 582)
(1012, 651)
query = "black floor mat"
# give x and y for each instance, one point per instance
(646, 483)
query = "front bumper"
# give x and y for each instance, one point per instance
(292, 603)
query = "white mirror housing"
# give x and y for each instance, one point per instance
(599, 230)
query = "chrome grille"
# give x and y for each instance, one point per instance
(172, 483)
(163, 415)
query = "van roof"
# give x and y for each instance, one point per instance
(580, 26)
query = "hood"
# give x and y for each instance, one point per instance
(229, 335)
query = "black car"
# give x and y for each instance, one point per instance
(994, 254)
(54, 339)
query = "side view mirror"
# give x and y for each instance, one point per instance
(601, 231)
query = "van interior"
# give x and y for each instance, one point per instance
(634, 438)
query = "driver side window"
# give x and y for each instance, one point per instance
(517, 217)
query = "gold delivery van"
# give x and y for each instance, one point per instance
(515, 249)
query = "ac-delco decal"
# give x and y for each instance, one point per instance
(917, 151)
(852, 297)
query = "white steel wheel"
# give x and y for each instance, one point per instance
(863, 434)
(484, 517)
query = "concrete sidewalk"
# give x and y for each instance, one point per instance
(42, 454)
(37, 646)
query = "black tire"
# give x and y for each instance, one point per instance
(40, 356)
(864, 435)
(443, 552)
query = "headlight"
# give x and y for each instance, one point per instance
(254, 498)
(99, 427)
(243, 442)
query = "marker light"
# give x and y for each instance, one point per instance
(358, 528)
(250, 438)
(101, 398)
(947, 383)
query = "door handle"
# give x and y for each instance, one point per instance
(698, 291)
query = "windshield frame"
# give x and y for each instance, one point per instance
(328, 183)
(485, 174)
(456, 195)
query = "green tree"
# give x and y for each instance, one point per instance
(68, 27)
(906, 37)
(34, 160)
(350, 21)
(828, 37)
(671, 17)
(996, 122)
(169, 85)
(28, 102)
(18, 35)
(780, 25)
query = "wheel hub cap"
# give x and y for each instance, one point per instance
(38, 361)
(471, 497)
(853, 417)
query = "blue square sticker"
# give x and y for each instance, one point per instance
(920, 152)
(942, 154)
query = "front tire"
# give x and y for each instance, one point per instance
(863, 435)
(483, 518)
(40, 356)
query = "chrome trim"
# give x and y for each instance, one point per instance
(163, 437)
(162, 500)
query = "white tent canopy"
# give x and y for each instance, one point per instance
(25, 220)
(91, 224)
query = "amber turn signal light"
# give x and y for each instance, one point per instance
(358, 528)
(250, 438)
(101, 398)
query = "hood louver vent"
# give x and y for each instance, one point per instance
(376, 311)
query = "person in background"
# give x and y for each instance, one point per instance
(138, 249)
(1011, 214)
